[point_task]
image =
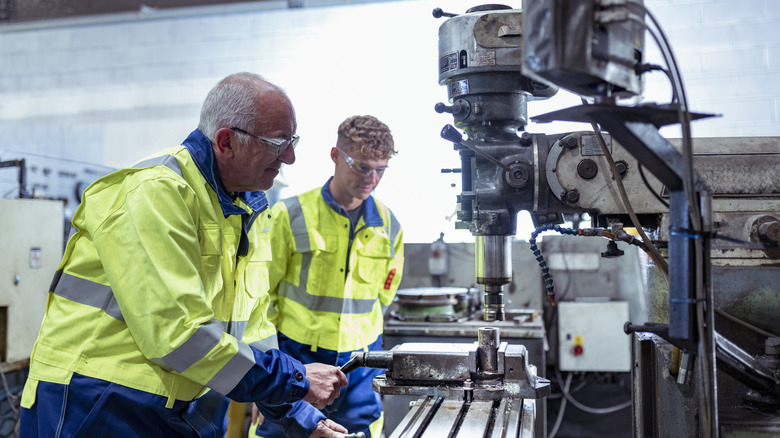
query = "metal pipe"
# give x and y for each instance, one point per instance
(493, 266)
(488, 340)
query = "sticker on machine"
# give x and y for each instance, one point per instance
(482, 59)
(459, 88)
(448, 62)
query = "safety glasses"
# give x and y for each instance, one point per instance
(277, 145)
(361, 168)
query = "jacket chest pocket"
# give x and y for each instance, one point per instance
(210, 239)
(321, 267)
(256, 279)
(373, 261)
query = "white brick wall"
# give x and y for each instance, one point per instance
(116, 88)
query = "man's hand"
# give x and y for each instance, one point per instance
(325, 382)
(328, 429)
(257, 417)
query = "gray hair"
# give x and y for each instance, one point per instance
(233, 103)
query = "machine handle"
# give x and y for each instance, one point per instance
(449, 133)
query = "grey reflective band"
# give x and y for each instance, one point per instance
(324, 303)
(235, 328)
(88, 293)
(228, 377)
(395, 228)
(168, 161)
(266, 344)
(195, 348)
(329, 304)
(298, 224)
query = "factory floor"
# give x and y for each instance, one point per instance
(596, 392)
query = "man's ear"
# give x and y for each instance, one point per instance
(334, 154)
(223, 142)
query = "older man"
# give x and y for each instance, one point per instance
(157, 314)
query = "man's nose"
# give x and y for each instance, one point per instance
(288, 155)
(373, 176)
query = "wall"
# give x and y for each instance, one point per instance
(110, 89)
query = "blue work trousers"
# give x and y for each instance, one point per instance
(94, 408)
(357, 405)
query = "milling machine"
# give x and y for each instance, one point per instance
(705, 359)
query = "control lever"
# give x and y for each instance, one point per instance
(351, 364)
(451, 134)
(370, 359)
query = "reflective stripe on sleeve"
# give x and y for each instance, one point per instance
(228, 377)
(168, 161)
(193, 349)
(236, 328)
(266, 344)
(88, 293)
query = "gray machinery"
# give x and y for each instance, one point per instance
(705, 359)
(486, 388)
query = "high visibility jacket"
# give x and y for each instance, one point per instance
(163, 288)
(332, 279)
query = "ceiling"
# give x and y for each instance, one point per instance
(32, 10)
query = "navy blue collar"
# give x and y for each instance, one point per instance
(200, 148)
(370, 213)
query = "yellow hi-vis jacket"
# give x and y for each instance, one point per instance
(151, 293)
(330, 283)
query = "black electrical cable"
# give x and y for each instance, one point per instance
(647, 184)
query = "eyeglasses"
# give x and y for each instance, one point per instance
(277, 145)
(361, 168)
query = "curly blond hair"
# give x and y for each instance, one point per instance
(367, 135)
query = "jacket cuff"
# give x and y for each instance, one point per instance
(275, 378)
(297, 419)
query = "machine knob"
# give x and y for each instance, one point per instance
(438, 13)
(519, 175)
(525, 139)
(770, 231)
(622, 167)
(459, 109)
(587, 169)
